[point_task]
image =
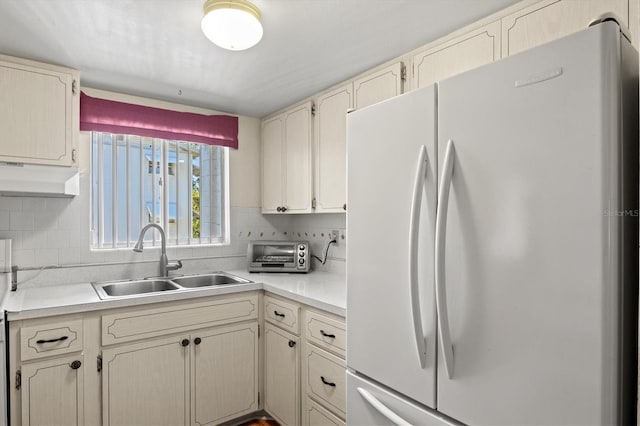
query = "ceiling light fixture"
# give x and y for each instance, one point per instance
(232, 24)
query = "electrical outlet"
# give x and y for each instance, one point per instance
(335, 235)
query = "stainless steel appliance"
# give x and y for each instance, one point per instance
(278, 256)
(504, 288)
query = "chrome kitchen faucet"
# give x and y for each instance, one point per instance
(165, 265)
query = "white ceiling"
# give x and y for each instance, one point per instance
(155, 48)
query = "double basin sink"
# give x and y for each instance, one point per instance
(129, 288)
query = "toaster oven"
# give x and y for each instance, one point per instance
(278, 256)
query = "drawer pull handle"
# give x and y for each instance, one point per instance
(291, 343)
(333, 385)
(278, 314)
(59, 339)
(75, 365)
(333, 336)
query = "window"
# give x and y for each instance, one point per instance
(181, 186)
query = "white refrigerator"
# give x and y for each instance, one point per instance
(492, 264)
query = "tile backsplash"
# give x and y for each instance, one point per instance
(50, 242)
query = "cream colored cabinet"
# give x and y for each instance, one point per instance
(330, 147)
(224, 373)
(316, 415)
(282, 360)
(172, 370)
(282, 375)
(379, 85)
(39, 113)
(52, 392)
(462, 53)
(323, 368)
(47, 367)
(552, 19)
(210, 376)
(146, 383)
(272, 164)
(286, 161)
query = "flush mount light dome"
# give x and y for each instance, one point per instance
(232, 24)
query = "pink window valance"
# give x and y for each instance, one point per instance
(103, 115)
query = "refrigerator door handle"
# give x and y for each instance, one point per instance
(414, 225)
(382, 409)
(441, 227)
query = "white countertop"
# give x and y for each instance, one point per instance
(322, 290)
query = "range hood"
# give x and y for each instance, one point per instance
(26, 180)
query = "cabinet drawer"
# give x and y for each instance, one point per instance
(139, 324)
(282, 314)
(326, 332)
(316, 415)
(50, 339)
(326, 379)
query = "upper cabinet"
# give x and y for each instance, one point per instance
(552, 19)
(462, 53)
(39, 113)
(286, 161)
(379, 85)
(330, 149)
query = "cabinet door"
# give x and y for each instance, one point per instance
(272, 171)
(224, 380)
(378, 86)
(331, 149)
(473, 49)
(297, 171)
(146, 383)
(52, 392)
(38, 114)
(552, 19)
(282, 375)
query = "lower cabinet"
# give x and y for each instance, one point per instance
(208, 376)
(316, 415)
(282, 375)
(52, 392)
(179, 363)
(224, 373)
(146, 383)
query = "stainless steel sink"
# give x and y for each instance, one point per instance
(206, 280)
(133, 288)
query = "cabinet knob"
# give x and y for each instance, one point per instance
(284, 209)
(197, 341)
(291, 343)
(75, 365)
(344, 207)
(279, 208)
(185, 342)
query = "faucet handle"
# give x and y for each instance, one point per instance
(173, 265)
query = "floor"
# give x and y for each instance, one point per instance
(260, 422)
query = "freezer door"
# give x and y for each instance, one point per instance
(369, 404)
(532, 248)
(391, 206)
